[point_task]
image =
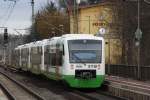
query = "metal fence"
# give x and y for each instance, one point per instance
(129, 71)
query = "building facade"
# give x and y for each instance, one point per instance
(104, 19)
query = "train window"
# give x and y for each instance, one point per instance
(63, 50)
(48, 49)
(28, 52)
(89, 51)
(35, 56)
(34, 50)
(59, 54)
(56, 56)
(44, 48)
(47, 55)
(53, 59)
(40, 50)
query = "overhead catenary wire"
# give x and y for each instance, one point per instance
(6, 12)
(9, 14)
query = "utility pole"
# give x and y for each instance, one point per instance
(33, 18)
(32, 4)
(5, 43)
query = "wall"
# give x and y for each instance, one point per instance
(101, 16)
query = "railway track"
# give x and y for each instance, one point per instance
(6, 92)
(118, 89)
(98, 95)
(68, 94)
(16, 90)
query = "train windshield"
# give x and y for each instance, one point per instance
(85, 51)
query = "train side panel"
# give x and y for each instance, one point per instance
(58, 60)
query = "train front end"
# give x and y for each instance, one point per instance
(84, 65)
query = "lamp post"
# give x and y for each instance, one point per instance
(78, 2)
(138, 36)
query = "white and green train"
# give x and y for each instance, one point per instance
(77, 59)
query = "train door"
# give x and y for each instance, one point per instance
(29, 58)
(59, 62)
(24, 60)
(53, 60)
(14, 58)
(17, 58)
(47, 57)
(36, 53)
(42, 62)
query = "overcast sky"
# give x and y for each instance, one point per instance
(20, 17)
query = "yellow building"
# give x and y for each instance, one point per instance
(101, 17)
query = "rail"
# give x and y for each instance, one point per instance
(7, 92)
(97, 95)
(12, 97)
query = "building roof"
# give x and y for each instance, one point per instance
(105, 2)
(94, 5)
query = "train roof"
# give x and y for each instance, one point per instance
(55, 39)
(80, 36)
(23, 46)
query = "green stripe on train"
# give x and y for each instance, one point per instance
(84, 83)
(77, 83)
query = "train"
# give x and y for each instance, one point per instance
(76, 59)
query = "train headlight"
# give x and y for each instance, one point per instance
(98, 67)
(72, 66)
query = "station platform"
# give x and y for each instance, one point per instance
(127, 88)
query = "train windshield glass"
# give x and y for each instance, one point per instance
(85, 51)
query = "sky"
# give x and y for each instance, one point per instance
(20, 16)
